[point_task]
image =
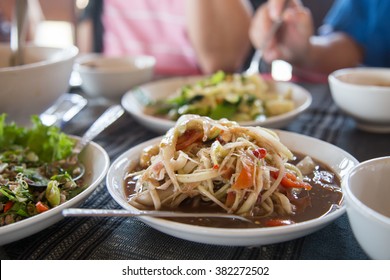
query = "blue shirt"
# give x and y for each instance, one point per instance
(368, 23)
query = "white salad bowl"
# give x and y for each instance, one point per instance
(96, 162)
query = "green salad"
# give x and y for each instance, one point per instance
(35, 170)
(236, 97)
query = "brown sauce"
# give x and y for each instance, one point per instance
(325, 193)
(365, 80)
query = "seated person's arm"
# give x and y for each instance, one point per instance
(218, 30)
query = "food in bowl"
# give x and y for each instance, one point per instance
(218, 166)
(236, 97)
(364, 94)
(37, 172)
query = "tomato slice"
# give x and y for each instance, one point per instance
(41, 207)
(245, 178)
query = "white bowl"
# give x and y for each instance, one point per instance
(134, 105)
(111, 77)
(335, 158)
(31, 88)
(367, 194)
(364, 94)
(96, 162)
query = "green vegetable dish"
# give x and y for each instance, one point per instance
(36, 170)
(236, 97)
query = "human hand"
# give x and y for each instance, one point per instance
(292, 41)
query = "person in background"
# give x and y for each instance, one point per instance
(33, 18)
(186, 37)
(355, 32)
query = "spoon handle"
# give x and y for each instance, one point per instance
(81, 212)
(107, 118)
(18, 31)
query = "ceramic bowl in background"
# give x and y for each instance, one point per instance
(111, 77)
(367, 194)
(31, 88)
(364, 94)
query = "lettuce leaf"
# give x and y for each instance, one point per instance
(47, 142)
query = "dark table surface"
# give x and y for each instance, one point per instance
(130, 238)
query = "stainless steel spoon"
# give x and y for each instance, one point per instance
(17, 39)
(107, 118)
(80, 212)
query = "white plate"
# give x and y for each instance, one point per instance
(163, 88)
(337, 159)
(96, 162)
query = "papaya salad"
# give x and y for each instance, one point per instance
(236, 97)
(202, 164)
(36, 170)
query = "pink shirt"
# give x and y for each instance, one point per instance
(152, 27)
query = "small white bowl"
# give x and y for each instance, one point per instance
(367, 194)
(33, 87)
(364, 94)
(111, 77)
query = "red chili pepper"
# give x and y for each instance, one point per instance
(260, 153)
(8, 205)
(289, 180)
